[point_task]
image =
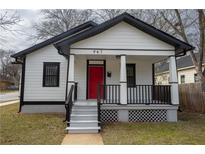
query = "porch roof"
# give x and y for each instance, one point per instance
(180, 46)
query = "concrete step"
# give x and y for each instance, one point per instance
(90, 103)
(84, 112)
(84, 107)
(84, 117)
(84, 123)
(83, 129)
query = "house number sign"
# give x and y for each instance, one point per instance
(97, 51)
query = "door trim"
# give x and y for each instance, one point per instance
(104, 66)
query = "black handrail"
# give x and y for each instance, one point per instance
(76, 91)
(69, 104)
(149, 94)
(98, 104)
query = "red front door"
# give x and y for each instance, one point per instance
(95, 77)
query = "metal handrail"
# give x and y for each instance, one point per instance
(69, 104)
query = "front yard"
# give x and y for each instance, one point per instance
(49, 129)
(7, 91)
(18, 128)
(190, 129)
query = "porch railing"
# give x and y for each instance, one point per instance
(109, 94)
(149, 94)
(69, 104)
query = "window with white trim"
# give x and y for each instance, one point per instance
(51, 73)
(182, 77)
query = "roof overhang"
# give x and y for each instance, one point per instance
(71, 32)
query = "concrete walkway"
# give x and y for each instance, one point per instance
(10, 96)
(9, 102)
(82, 139)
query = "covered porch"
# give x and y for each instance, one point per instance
(121, 92)
(121, 79)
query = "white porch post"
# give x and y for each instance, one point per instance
(123, 80)
(71, 69)
(71, 73)
(173, 81)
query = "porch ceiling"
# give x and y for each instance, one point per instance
(153, 59)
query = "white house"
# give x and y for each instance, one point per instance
(97, 73)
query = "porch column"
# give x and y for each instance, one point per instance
(123, 80)
(173, 81)
(71, 69)
(71, 72)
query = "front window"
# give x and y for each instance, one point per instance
(196, 78)
(131, 75)
(51, 74)
(182, 79)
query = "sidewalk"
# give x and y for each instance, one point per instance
(8, 103)
(10, 96)
(82, 139)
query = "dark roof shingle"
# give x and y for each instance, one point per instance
(182, 62)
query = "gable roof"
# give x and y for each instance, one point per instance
(182, 62)
(180, 46)
(54, 39)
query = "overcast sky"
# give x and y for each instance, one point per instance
(19, 39)
(21, 36)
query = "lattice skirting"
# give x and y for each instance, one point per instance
(147, 115)
(140, 115)
(109, 115)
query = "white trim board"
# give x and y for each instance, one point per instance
(122, 52)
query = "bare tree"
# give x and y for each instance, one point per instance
(106, 14)
(57, 21)
(8, 71)
(8, 18)
(153, 17)
(182, 23)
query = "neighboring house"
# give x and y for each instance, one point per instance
(110, 63)
(185, 70)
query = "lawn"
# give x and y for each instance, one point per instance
(190, 129)
(18, 128)
(7, 91)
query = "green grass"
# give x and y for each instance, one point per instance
(190, 129)
(7, 91)
(49, 129)
(18, 128)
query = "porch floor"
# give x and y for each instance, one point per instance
(91, 102)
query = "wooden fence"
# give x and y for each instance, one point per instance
(192, 98)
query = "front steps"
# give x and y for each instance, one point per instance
(84, 118)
